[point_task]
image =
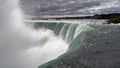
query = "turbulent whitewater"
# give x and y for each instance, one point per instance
(72, 33)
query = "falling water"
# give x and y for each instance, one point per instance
(21, 46)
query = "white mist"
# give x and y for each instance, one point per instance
(20, 45)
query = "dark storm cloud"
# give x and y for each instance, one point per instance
(63, 7)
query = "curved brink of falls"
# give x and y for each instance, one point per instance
(73, 34)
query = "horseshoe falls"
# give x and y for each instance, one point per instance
(72, 33)
(90, 44)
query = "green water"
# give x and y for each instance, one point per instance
(73, 34)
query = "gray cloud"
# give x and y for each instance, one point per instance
(63, 7)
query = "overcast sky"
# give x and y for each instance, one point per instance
(71, 7)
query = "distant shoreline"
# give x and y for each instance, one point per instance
(96, 16)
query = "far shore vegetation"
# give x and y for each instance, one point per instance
(114, 20)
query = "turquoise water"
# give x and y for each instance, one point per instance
(71, 33)
(94, 45)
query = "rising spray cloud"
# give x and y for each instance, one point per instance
(21, 46)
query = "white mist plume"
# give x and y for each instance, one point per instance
(20, 45)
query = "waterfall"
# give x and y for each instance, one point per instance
(72, 33)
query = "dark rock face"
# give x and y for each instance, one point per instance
(100, 49)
